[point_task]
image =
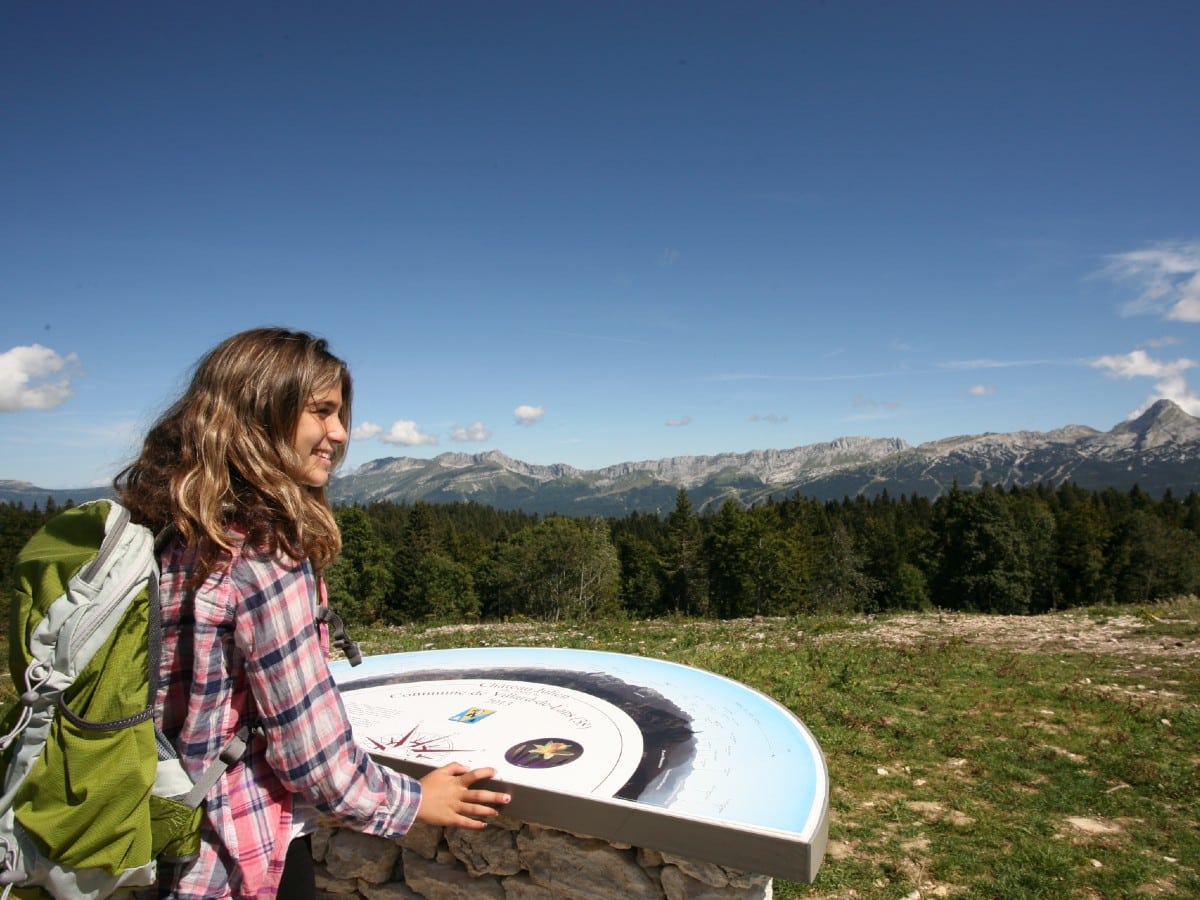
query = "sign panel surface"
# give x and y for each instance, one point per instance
(623, 747)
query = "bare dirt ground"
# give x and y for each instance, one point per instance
(1124, 636)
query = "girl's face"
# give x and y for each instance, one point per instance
(318, 433)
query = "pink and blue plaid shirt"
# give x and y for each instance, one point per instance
(243, 647)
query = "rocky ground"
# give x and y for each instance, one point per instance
(1124, 635)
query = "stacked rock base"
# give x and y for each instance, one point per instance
(511, 860)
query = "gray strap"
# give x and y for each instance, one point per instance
(234, 751)
(338, 636)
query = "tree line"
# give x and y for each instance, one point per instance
(1014, 551)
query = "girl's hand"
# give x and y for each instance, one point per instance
(447, 797)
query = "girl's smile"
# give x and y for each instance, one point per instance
(319, 434)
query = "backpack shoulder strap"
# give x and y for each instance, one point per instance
(340, 638)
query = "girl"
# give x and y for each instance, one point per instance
(238, 466)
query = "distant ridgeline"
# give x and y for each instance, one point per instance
(1012, 550)
(1158, 452)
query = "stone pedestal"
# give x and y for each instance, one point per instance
(512, 860)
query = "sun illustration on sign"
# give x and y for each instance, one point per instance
(544, 753)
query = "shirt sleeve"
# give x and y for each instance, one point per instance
(310, 745)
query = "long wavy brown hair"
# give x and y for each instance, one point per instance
(222, 455)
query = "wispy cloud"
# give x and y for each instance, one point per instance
(680, 422)
(970, 364)
(869, 410)
(35, 377)
(861, 402)
(57, 430)
(529, 415)
(474, 432)
(608, 338)
(981, 390)
(769, 418)
(767, 376)
(668, 257)
(1167, 277)
(1167, 341)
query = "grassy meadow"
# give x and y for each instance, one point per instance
(1055, 756)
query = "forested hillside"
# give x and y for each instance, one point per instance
(1021, 550)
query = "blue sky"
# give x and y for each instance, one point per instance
(590, 233)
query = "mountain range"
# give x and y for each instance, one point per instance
(1157, 451)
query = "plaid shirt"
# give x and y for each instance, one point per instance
(244, 647)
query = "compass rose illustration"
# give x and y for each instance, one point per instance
(417, 744)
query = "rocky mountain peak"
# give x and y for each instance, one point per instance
(1163, 423)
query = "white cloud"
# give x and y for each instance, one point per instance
(529, 415)
(1174, 388)
(1139, 364)
(1188, 307)
(1170, 383)
(26, 380)
(365, 431)
(1168, 278)
(473, 432)
(406, 433)
(680, 422)
(770, 418)
(981, 390)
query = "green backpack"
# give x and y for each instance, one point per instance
(94, 795)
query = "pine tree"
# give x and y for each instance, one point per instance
(687, 587)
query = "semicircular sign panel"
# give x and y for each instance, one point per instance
(626, 748)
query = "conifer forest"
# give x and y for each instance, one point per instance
(1003, 551)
